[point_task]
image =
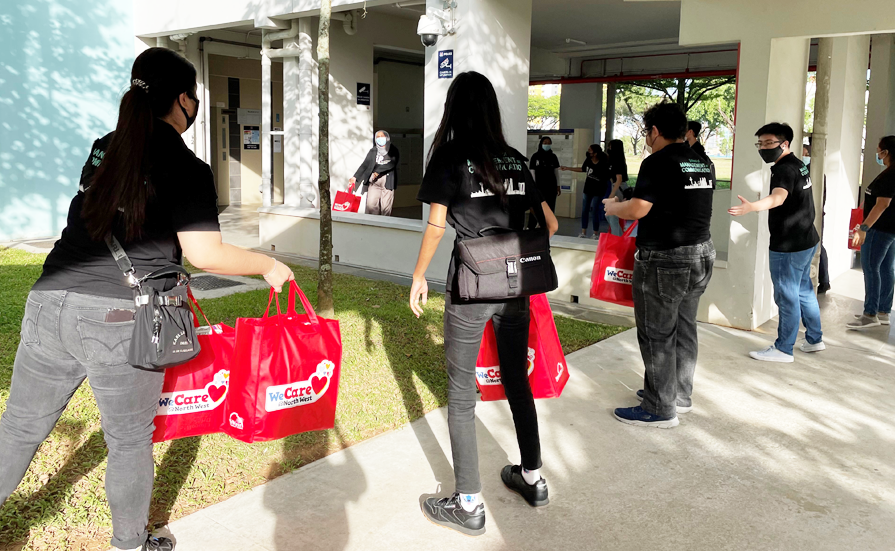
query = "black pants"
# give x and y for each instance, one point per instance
(464, 324)
(823, 270)
(549, 195)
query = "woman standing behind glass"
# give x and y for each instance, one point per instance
(544, 167)
(596, 186)
(474, 180)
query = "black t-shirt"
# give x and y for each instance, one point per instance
(451, 180)
(700, 150)
(792, 223)
(185, 199)
(680, 185)
(597, 181)
(544, 163)
(881, 186)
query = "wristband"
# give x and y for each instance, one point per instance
(272, 270)
(864, 228)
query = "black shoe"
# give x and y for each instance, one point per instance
(448, 512)
(158, 544)
(821, 289)
(535, 494)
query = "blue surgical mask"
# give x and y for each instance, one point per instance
(879, 161)
(546, 147)
(381, 141)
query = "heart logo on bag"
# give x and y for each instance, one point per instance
(319, 384)
(217, 393)
(531, 360)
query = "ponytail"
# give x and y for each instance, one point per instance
(121, 186)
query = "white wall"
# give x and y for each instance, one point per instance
(581, 106)
(400, 95)
(881, 103)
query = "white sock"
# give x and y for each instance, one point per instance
(470, 501)
(531, 477)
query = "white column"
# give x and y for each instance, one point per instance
(881, 104)
(308, 117)
(581, 106)
(845, 128)
(610, 112)
(771, 80)
(291, 124)
(266, 188)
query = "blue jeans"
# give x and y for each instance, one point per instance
(795, 298)
(592, 204)
(878, 263)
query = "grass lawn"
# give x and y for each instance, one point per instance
(392, 372)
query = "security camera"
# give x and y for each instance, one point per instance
(433, 24)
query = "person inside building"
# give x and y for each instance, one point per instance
(694, 128)
(823, 268)
(544, 166)
(596, 187)
(672, 267)
(379, 175)
(142, 186)
(876, 237)
(618, 177)
(793, 243)
(474, 180)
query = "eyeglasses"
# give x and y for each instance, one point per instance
(760, 145)
(645, 132)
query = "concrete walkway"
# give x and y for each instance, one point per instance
(773, 457)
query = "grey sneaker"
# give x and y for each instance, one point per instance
(771, 354)
(864, 322)
(816, 347)
(883, 318)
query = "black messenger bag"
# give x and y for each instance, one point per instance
(506, 265)
(164, 331)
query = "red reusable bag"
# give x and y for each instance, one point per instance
(613, 275)
(547, 371)
(857, 218)
(193, 394)
(285, 376)
(347, 201)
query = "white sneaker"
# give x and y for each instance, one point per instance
(582, 235)
(816, 347)
(771, 354)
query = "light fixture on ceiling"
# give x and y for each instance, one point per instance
(573, 41)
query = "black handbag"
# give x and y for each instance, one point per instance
(506, 265)
(164, 330)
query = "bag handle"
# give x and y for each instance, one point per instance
(630, 230)
(269, 299)
(189, 293)
(496, 229)
(295, 289)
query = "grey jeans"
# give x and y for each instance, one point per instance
(65, 340)
(667, 287)
(464, 324)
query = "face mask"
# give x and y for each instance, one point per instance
(381, 142)
(190, 120)
(770, 155)
(546, 147)
(648, 146)
(806, 159)
(879, 161)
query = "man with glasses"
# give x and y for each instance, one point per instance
(672, 266)
(793, 243)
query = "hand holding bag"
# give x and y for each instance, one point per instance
(857, 218)
(613, 275)
(346, 201)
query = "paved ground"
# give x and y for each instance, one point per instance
(774, 456)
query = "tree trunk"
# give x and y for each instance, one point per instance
(325, 306)
(682, 93)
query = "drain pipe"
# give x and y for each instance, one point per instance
(819, 140)
(349, 21)
(267, 53)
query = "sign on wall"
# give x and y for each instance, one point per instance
(446, 64)
(248, 116)
(251, 137)
(363, 93)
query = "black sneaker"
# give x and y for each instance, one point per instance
(158, 544)
(535, 494)
(448, 512)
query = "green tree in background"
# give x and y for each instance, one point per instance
(543, 113)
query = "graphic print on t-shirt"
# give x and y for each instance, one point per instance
(503, 165)
(699, 174)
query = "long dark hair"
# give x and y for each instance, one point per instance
(472, 116)
(616, 151)
(887, 143)
(601, 155)
(119, 186)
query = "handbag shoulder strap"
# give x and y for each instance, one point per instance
(123, 261)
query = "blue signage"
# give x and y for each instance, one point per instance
(446, 64)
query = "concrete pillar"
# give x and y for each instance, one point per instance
(845, 129)
(771, 81)
(291, 121)
(309, 116)
(610, 112)
(199, 132)
(581, 106)
(881, 104)
(266, 100)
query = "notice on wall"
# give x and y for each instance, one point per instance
(248, 116)
(446, 64)
(363, 93)
(277, 141)
(251, 137)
